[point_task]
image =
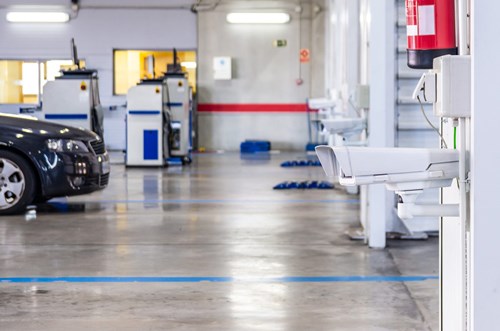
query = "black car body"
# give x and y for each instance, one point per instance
(63, 161)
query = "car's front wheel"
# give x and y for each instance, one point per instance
(17, 183)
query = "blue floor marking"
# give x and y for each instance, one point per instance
(306, 279)
(194, 201)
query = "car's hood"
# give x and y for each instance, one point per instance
(34, 126)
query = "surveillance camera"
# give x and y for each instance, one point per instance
(344, 125)
(322, 103)
(401, 169)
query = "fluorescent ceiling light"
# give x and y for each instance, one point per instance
(189, 64)
(258, 18)
(37, 17)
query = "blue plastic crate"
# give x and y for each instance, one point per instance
(310, 147)
(254, 146)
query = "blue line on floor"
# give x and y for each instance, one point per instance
(307, 279)
(201, 201)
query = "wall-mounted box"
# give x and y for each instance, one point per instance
(361, 97)
(453, 86)
(222, 68)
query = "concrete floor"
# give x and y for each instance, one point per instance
(232, 240)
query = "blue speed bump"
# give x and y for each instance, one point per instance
(326, 186)
(281, 186)
(301, 163)
(312, 185)
(304, 185)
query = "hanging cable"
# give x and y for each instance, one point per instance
(354, 107)
(443, 142)
(75, 7)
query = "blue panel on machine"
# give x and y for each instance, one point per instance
(150, 144)
(66, 116)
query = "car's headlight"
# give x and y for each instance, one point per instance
(66, 145)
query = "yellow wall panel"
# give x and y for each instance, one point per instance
(130, 66)
(11, 90)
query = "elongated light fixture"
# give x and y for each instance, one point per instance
(37, 17)
(189, 64)
(258, 18)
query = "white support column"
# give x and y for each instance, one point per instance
(364, 39)
(382, 110)
(364, 65)
(352, 46)
(329, 47)
(342, 32)
(485, 163)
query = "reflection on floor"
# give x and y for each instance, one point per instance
(210, 247)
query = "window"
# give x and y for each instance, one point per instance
(130, 66)
(21, 82)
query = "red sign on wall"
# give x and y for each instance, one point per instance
(305, 55)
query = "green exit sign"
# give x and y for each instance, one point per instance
(279, 43)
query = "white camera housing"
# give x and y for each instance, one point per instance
(344, 125)
(322, 103)
(401, 169)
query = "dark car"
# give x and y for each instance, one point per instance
(41, 160)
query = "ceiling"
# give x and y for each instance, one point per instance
(117, 3)
(142, 3)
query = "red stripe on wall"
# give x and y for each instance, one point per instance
(253, 108)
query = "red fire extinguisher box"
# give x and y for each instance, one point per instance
(431, 31)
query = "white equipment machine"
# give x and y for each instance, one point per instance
(147, 125)
(179, 105)
(73, 98)
(159, 120)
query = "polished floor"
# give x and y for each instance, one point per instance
(210, 247)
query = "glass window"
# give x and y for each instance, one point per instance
(11, 81)
(130, 66)
(21, 82)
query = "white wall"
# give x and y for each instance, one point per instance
(485, 160)
(262, 74)
(97, 32)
